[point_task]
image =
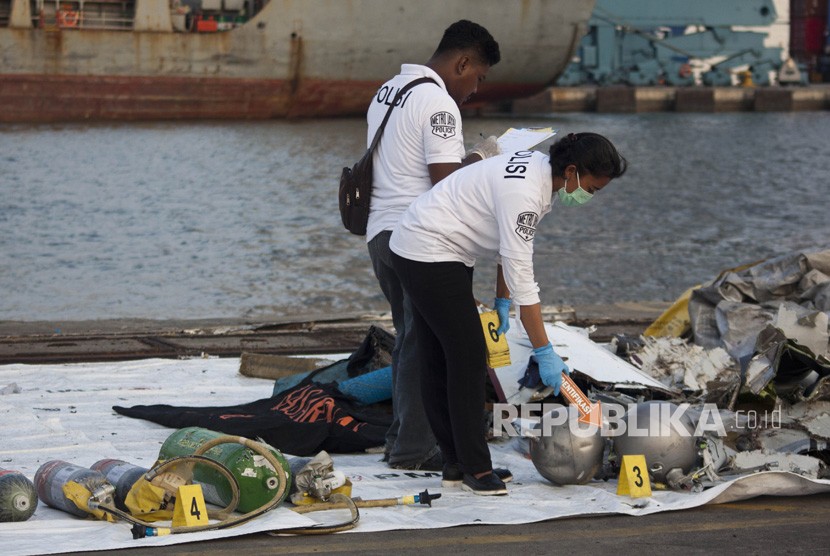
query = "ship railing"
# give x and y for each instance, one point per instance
(118, 15)
(86, 22)
(105, 21)
(83, 14)
(81, 20)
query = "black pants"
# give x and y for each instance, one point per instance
(449, 338)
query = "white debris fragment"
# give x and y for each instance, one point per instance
(808, 328)
(813, 416)
(677, 363)
(803, 465)
(818, 425)
(788, 441)
(12, 388)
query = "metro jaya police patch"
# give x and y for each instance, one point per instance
(527, 225)
(443, 124)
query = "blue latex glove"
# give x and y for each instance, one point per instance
(503, 309)
(551, 367)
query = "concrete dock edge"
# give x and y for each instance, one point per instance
(622, 99)
(40, 342)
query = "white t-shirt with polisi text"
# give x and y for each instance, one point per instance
(425, 128)
(491, 208)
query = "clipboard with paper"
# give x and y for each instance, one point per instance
(523, 139)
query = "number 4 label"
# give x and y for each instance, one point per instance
(190, 507)
(634, 477)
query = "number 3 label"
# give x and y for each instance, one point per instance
(638, 482)
(634, 477)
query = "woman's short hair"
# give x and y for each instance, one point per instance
(591, 153)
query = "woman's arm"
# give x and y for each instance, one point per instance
(531, 316)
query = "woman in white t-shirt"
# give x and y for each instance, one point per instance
(489, 208)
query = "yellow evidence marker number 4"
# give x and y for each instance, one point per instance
(634, 477)
(190, 506)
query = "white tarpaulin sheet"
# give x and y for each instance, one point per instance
(64, 412)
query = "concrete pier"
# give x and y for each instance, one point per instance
(624, 99)
(40, 342)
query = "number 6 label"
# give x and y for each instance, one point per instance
(498, 352)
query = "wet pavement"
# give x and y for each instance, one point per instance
(764, 525)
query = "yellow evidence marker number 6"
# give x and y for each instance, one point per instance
(634, 477)
(190, 506)
(498, 351)
(492, 329)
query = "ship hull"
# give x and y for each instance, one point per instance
(293, 59)
(66, 98)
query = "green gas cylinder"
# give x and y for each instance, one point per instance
(18, 498)
(258, 481)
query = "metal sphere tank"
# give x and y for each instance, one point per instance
(666, 443)
(564, 455)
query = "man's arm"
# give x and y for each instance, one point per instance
(485, 149)
(531, 316)
(501, 285)
(441, 170)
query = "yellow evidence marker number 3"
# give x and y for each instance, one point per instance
(634, 477)
(190, 507)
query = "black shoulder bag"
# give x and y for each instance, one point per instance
(356, 182)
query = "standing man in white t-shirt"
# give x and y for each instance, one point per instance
(421, 144)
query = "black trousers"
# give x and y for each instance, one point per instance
(450, 341)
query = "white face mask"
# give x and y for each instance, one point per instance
(578, 197)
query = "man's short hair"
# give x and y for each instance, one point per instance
(464, 35)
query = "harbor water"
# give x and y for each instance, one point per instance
(240, 219)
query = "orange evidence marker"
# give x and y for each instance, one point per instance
(589, 413)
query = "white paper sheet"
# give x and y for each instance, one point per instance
(523, 139)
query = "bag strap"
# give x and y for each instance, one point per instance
(398, 96)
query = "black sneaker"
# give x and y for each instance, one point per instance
(488, 485)
(452, 475)
(434, 463)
